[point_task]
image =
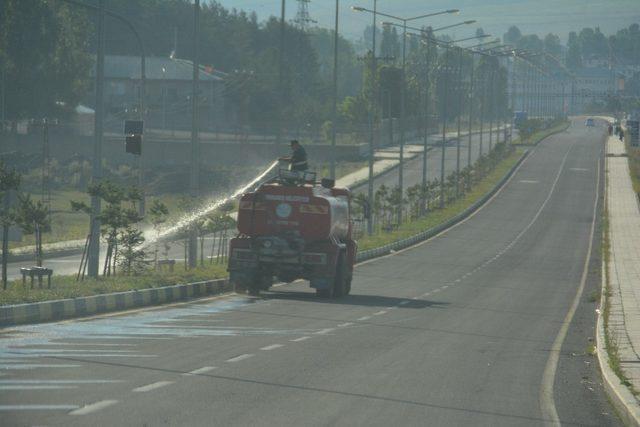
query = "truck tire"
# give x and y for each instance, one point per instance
(347, 287)
(239, 288)
(340, 280)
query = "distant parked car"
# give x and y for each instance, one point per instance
(590, 122)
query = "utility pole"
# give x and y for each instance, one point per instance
(334, 113)
(492, 105)
(195, 159)
(402, 122)
(372, 119)
(470, 109)
(460, 92)
(281, 74)
(96, 169)
(444, 124)
(425, 142)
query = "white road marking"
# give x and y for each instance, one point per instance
(91, 344)
(60, 381)
(300, 339)
(528, 181)
(34, 366)
(272, 347)
(446, 286)
(152, 386)
(201, 370)
(88, 409)
(325, 331)
(34, 387)
(381, 312)
(364, 318)
(579, 169)
(37, 407)
(344, 325)
(239, 358)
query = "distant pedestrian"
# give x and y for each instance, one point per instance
(621, 135)
(610, 129)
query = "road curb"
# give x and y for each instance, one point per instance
(427, 234)
(45, 311)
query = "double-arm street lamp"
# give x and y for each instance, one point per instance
(403, 89)
(402, 93)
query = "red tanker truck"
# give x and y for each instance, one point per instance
(294, 228)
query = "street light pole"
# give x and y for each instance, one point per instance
(96, 169)
(334, 117)
(425, 142)
(402, 123)
(492, 100)
(372, 119)
(195, 162)
(460, 92)
(444, 124)
(470, 110)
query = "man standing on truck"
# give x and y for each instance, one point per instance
(298, 158)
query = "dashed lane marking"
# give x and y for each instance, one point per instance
(59, 381)
(364, 318)
(325, 331)
(379, 313)
(344, 325)
(34, 366)
(239, 358)
(200, 370)
(300, 339)
(152, 386)
(34, 387)
(272, 347)
(88, 409)
(37, 407)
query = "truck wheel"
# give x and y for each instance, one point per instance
(347, 287)
(324, 293)
(239, 288)
(340, 279)
(253, 290)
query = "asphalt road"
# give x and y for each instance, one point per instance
(457, 331)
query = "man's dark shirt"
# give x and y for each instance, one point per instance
(299, 160)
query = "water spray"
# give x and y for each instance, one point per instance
(189, 219)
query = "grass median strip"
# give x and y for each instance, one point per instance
(67, 287)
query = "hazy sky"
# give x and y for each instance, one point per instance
(494, 16)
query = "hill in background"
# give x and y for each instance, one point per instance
(494, 16)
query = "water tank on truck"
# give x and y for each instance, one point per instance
(294, 228)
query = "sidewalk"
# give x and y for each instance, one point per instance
(388, 158)
(624, 274)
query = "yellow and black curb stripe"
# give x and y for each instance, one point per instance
(46, 311)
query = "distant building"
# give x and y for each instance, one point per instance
(168, 90)
(593, 85)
